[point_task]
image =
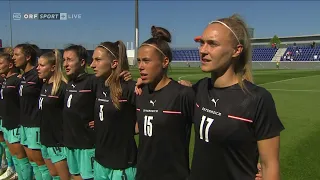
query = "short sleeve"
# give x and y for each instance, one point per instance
(188, 102)
(266, 123)
(128, 91)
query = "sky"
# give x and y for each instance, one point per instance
(107, 20)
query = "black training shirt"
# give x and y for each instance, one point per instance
(11, 110)
(115, 129)
(79, 111)
(164, 118)
(51, 107)
(228, 123)
(29, 91)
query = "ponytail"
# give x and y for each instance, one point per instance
(118, 51)
(58, 75)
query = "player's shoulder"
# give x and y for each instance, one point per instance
(258, 92)
(201, 84)
(130, 83)
(181, 89)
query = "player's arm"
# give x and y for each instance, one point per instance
(269, 157)
(267, 127)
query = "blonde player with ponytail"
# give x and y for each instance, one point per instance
(51, 106)
(236, 121)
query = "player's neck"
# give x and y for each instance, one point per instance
(10, 73)
(50, 80)
(77, 74)
(225, 79)
(27, 68)
(160, 83)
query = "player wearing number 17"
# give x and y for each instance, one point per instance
(235, 121)
(115, 114)
(164, 114)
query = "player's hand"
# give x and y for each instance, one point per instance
(185, 83)
(91, 124)
(259, 174)
(138, 89)
(19, 76)
(126, 75)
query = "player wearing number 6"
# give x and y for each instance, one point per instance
(164, 114)
(78, 111)
(51, 102)
(25, 58)
(115, 114)
(235, 121)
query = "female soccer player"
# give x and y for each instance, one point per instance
(51, 102)
(236, 122)
(11, 119)
(115, 114)
(7, 52)
(78, 112)
(164, 114)
(25, 58)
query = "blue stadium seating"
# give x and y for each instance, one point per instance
(258, 54)
(302, 53)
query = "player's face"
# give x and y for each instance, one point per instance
(19, 58)
(72, 63)
(4, 66)
(216, 48)
(150, 64)
(45, 69)
(101, 63)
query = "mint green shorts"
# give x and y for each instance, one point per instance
(80, 161)
(1, 127)
(55, 154)
(103, 173)
(30, 137)
(12, 136)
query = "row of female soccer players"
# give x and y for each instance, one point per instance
(235, 121)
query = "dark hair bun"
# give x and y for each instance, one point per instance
(161, 33)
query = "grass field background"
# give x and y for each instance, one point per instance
(297, 97)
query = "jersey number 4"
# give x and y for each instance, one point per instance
(147, 125)
(208, 121)
(40, 103)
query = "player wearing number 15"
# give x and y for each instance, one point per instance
(51, 102)
(115, 114)
(78, 111)
(164, 114)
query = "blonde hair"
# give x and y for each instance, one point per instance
(116, 50)
(55, 58)
(240, 35)
(8, 50)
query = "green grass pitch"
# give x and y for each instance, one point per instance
(297, 97)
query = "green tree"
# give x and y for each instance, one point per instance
(276, 40)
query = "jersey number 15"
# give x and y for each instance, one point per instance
(147, 125)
